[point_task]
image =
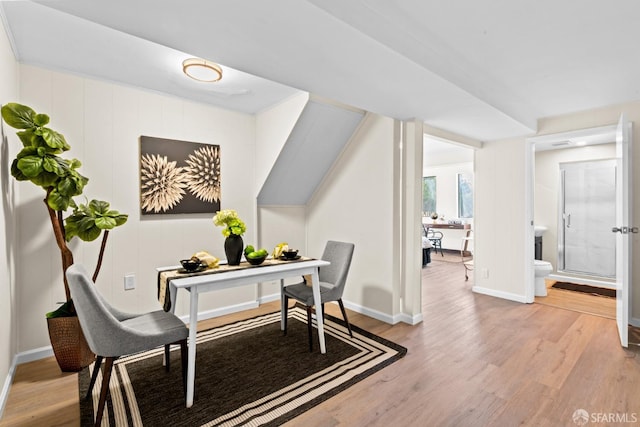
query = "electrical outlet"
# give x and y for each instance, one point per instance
(485, 273)
(129, 282)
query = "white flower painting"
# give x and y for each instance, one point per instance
(178, 176)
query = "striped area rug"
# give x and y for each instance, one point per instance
(247, 373)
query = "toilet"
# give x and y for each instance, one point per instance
(542, 270)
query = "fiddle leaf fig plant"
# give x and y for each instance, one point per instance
(39, 161)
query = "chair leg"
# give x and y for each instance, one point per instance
(167, 357)
(94, 376)
(106, 376)
(183, 358)
(344, 314)
(309, 327)
(286, 313)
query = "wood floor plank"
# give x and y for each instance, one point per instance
(474, 361)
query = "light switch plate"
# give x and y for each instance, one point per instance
(129, 282)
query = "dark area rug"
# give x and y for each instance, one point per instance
(594, 290)
(246, 372)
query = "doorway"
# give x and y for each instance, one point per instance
(448, 208)
(573, 176)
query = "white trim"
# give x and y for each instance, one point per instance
(405, 318)
(4, 395)
(210, 314)
(529, 194)
(384, 317)
(635, 321)
(268, 298)
(499, 294)
(35, 354)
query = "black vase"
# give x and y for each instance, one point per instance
(233, 246)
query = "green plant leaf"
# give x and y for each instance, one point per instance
(74, 163)
(16, 172)
(27, 151)
(18, 116)
(105, 223)
(99, 207)
(88, 235)
(65, 310)
(120, 219)
(72, 184)
(46, 179)
(26, 137)
(31, 166)
(51, 165)
(53, 139)
(41, 119)
(57, 201)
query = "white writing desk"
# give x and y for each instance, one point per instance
(243, 276)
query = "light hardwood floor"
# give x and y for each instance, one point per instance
(474, 361)
(578, 301)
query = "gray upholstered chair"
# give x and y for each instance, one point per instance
(112, 333)
(332, 281)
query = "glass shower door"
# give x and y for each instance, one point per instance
(587, 212)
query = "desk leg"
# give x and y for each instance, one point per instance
(193, 330)
(282, 304)
(317, 302)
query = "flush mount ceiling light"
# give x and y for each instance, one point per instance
(202, 70)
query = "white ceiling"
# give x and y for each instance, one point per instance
(483, 69)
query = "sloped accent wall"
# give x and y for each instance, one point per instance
(315, 142)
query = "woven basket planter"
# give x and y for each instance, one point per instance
(69, 344)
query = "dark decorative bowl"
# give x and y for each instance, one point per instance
(190, 264)
(290, 254)
(256, 261)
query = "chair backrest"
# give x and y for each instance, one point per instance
(97, 321)
(433, 234)
(339, 254)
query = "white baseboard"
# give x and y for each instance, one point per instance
(406, 318)
(210, 314)
(35, 354)
(4, 395)
(499, 294)
(634, 321)
(384, 317)
(269, 298)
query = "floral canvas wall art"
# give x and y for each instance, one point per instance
(178, 177)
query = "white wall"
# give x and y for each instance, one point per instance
(499, 235)
(547, 183)
(354, 204)
(8, 303)
(103, 122)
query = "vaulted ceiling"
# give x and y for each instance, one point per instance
(485, 69)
